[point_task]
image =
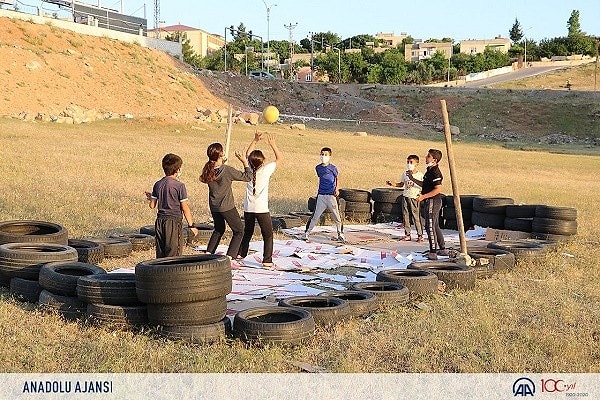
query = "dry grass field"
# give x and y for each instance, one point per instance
(542, 316)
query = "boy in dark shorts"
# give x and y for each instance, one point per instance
(431, 201)
(170, 197)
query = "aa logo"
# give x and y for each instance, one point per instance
(523, 387)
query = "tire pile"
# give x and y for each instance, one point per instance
(357, 205)
(387, 204)
(448, 218)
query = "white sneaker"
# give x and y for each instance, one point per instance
(305, 236)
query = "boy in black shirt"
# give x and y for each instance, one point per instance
(432, 203)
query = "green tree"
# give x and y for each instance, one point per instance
(393, 68)
(189, 55)
(516, 33)
(573, 24)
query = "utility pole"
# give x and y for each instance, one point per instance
(312, 52)
(157, 18)
(290, 27)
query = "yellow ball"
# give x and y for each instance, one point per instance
(271, 114)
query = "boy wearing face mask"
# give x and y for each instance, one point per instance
(410, 207)
(170, 196)
(327, 195)
(432, 203)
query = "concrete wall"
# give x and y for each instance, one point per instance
(488, 74)
(172, 48)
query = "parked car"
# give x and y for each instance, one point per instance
(261, 75)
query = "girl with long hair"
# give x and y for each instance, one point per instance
(256, 201)
(219, 177)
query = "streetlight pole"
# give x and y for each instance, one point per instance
(339, 64)
(525, 37)
(268, 7)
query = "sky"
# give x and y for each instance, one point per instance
(425, 19)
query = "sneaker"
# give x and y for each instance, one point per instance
(341, 237)
(432, 256)
(442, 252)
(305, 236)
(420, 239)
(267, 264)
(405, 238)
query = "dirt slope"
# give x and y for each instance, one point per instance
(44, 69)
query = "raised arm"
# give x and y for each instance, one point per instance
(252, 145)
(276, 151)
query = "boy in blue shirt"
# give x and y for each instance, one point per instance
(327, 195)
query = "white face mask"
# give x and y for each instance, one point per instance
(325, 159)
(410, 167)
(431, 164)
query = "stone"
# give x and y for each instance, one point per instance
(360, 134)
(301, 127)
(454, 130)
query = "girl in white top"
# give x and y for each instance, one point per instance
(256, 201)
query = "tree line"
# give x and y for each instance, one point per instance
(389, 66)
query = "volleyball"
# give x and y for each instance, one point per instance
(270, 114)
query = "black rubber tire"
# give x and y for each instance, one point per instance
(116, 289)
(4, 280)
(488, 220)
(183, 279)
(198, 334)
(114, 247)
(25, 290)
(118, 316)
(289, 221)
(185, 314)
(564, 213)
(61, 277)
(455, 276)
(87, 251)
(202, 237)
(554, 226)
(24, 260)
(520, 211)
(148, 230)
(69, 307)
(352, 206)
(385, 292)
(522, 249)
(489, 261)
(280, 325)
(325, 310)
(32, 232)
(418, 282)
(518, 224)
(387, 195)
(139, 241)
(387, 208)
(449, 212)
(355, 195)
(491, 205)
(551, 237)
(466, 201)
(357, 217)
(379, 218)
(361, 303)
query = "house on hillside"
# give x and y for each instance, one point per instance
(479, 46)
(202, 42)
(425, 50)
(391, 40)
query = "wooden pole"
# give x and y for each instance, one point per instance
(453, 179)
(228, 132)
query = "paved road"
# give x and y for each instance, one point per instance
(512, 76)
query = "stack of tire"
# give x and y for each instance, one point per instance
(554, 223)
(26, 245)
(358, 205)
(490, 212)
(326, 218)
(185, 296)
(387, 204)
(449, 212)
(454, 275)
(59, 283)
(519, 217)
(114, 247)
(112, 300)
